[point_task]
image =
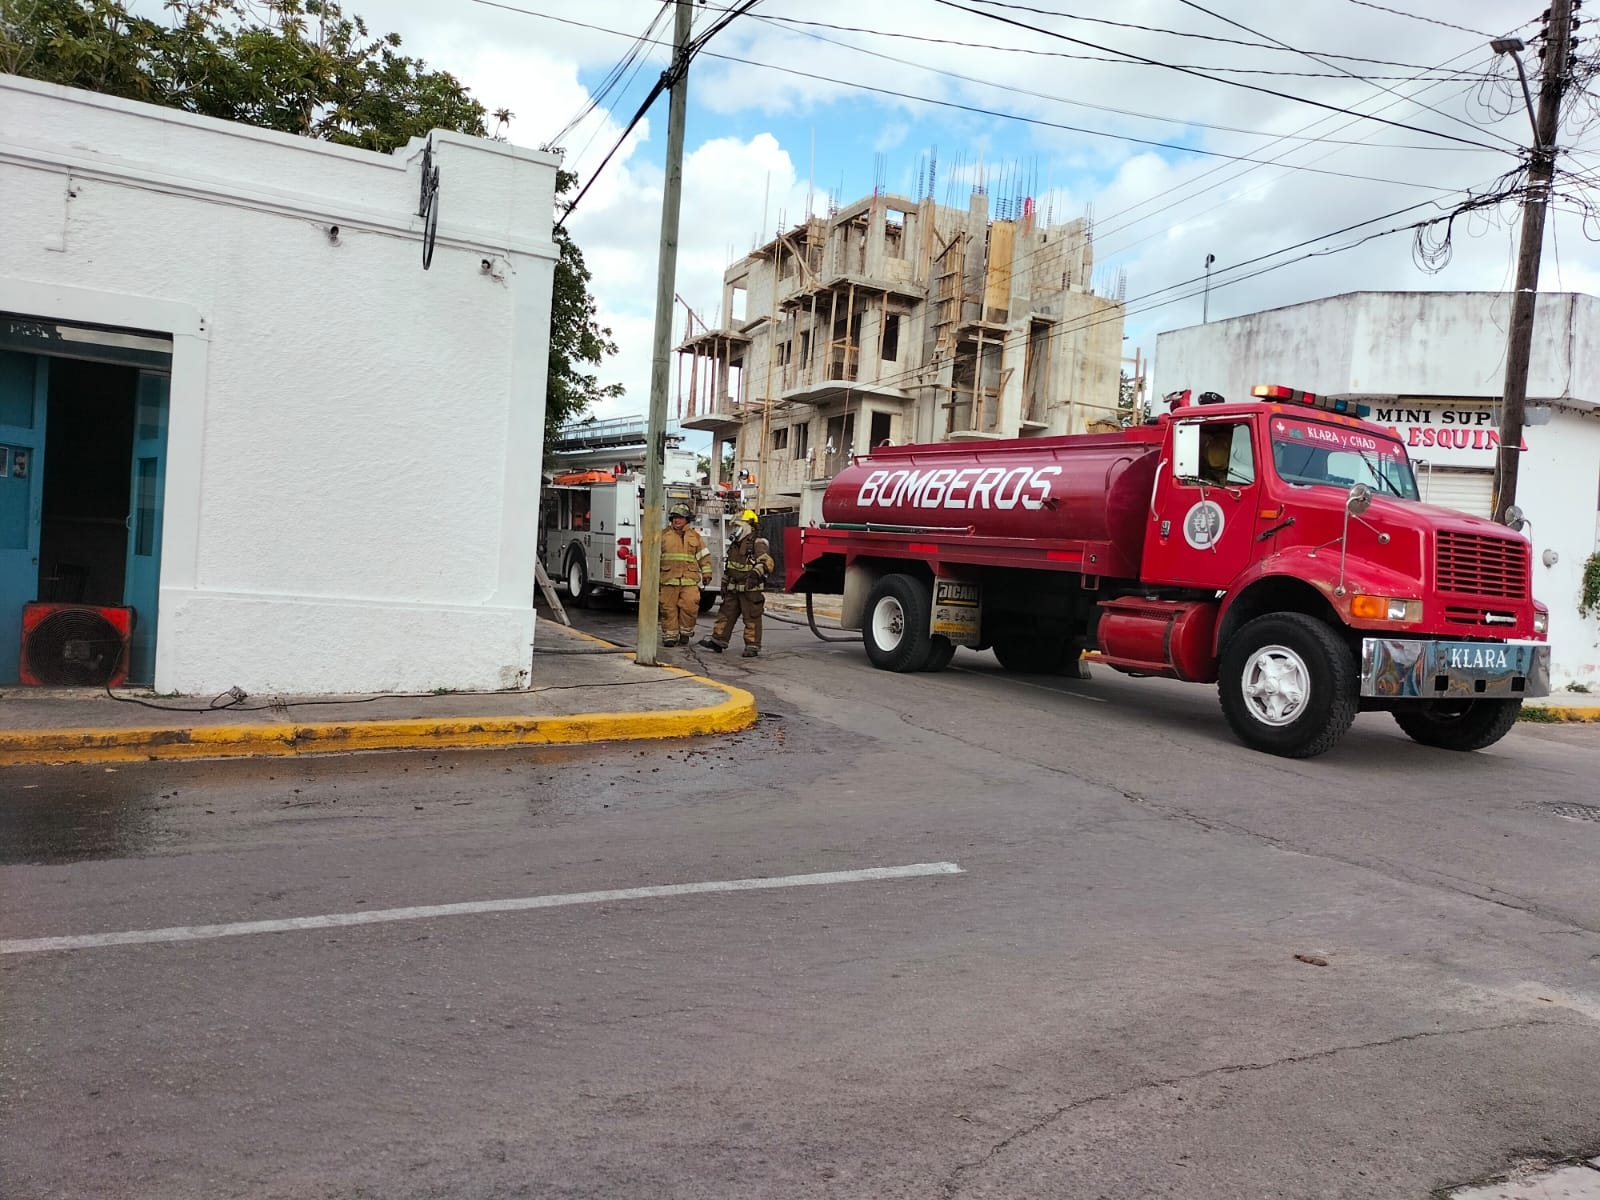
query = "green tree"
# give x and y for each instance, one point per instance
(302, 67)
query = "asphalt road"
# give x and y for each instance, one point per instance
(1105, 1001)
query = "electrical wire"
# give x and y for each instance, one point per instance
(1418, 17)
(613, 77)
(968, 45)
(1194, 4)
(1237, 83)
(1186, 122)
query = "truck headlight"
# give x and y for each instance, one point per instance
(1385, 608)
(1541, 621)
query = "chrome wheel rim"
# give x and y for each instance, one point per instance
(1277, 685)
(888, 623)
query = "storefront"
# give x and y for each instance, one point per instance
(1431, 365)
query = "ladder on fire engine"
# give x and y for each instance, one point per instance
(549, 590)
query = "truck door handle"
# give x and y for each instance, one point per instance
(1278, 528)
(1155, 487)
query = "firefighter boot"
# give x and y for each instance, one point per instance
(751, 651)
(712, 644)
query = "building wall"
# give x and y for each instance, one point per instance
(1429, 353)
(1011, 273)
(354, 443)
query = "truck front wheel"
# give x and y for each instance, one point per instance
(1459, 724)
(1288, 685)
(896, 629)
(577, 580)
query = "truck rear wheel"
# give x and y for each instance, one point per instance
(1035, 655)
(1288, 685)
(1459, 724)
(896, 629)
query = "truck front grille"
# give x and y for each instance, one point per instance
(1473, 564)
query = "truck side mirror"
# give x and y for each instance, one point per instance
(1515, 519)
(1186, 449)
(1359, 499)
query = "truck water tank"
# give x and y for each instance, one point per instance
(1090, 487)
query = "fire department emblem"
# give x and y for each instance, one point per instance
(1202, 528)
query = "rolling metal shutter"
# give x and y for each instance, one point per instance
(1466, 491)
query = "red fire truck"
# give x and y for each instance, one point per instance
(1275, 547)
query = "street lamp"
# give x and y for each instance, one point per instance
(1511, 46)
(1205, 301)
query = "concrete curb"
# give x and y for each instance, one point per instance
(45, 747)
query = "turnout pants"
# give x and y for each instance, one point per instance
(748, 605)
(680, 608)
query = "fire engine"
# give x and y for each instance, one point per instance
(1275, 547)
(592, 505)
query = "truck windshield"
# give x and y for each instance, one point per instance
(1308, 452)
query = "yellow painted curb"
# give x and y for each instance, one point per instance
(1559, 714)
(53, 746)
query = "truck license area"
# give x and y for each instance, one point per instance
(1399, 668)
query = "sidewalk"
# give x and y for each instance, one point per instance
(584, 690)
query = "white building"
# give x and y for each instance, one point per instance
(231, 397)
(1431, 365)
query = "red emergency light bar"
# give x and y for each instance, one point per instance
(1276, 391)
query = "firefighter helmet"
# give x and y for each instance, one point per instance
(679, 510)
(749, 514)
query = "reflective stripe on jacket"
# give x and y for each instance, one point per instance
(685, 560)
(747, 565)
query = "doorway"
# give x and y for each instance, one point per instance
(80, 501)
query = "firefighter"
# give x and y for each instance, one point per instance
(685, 569)
(744, 573)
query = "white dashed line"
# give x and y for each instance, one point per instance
(197, 933)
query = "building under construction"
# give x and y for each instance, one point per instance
(902, 321)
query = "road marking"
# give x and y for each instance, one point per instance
(197, 933)
(1054, 691)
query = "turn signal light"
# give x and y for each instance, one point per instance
(1383, 608)
(1541, 621)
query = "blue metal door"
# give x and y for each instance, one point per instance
(142, 580)
(24, 386)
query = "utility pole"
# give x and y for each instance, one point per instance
(666, 272)
(1535, 205)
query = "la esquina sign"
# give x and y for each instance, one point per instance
(1446, 435)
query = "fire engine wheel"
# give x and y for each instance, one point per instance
(940, 652)
(1459, 724)
(577, 581)
(1288, 685)
(896, 629)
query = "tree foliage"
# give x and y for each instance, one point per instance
(302, 67)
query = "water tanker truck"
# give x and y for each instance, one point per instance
(1275, 547)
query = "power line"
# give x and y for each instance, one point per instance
(1190, 192)
(1202, 75)
(971, 108)
(598, 97)
(1418, 17)
(1123, 112)
(1205, 37)
(1314, 58)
